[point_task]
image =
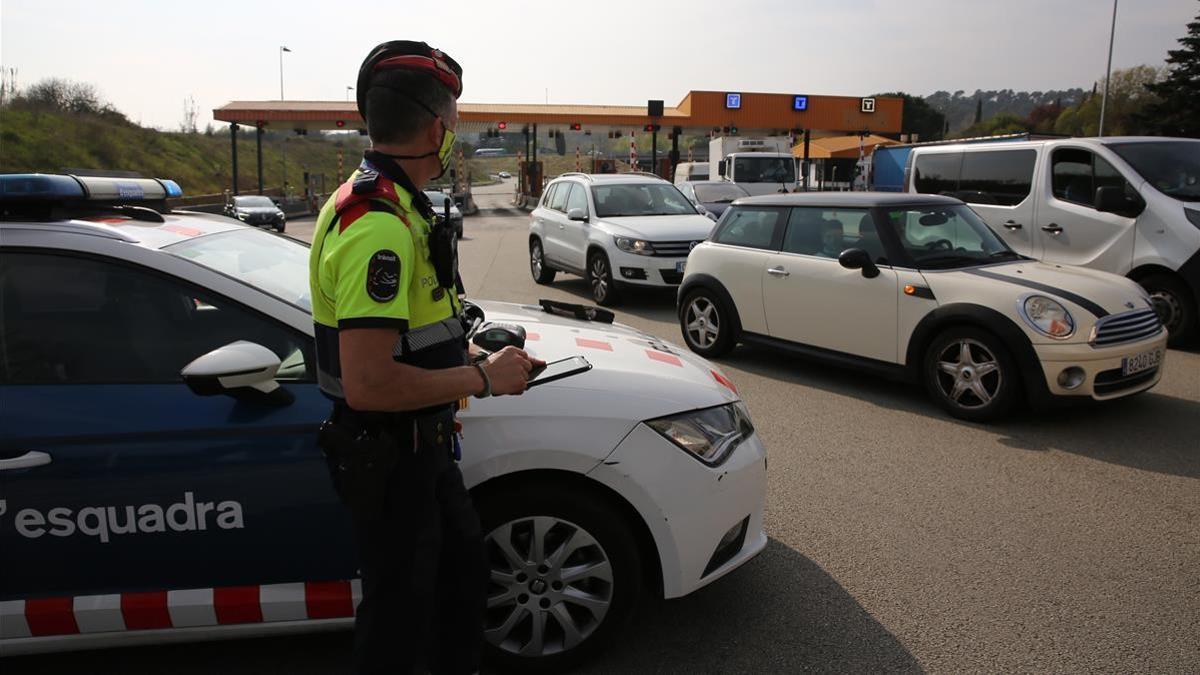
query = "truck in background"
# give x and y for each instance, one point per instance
(760, 165)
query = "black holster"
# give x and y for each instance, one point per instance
(360, 460)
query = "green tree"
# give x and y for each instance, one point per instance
(918, 117)
(1004, 123)
(1128, 97)
(1174, 113)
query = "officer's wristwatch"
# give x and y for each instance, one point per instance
(487, 382)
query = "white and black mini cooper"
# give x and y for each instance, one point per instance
(917, 287)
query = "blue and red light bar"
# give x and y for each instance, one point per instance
(55, 187)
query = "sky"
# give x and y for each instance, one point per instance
(147, 58)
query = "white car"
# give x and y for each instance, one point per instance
(615, 230)
(917, 287)
(150, 496)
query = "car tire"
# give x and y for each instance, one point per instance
(707, 323)
(1175, 306)
(607, 587)
(952, 374)
(280, 227)
(542, 273)
(600, 280)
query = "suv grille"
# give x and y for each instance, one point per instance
(1112, 381)
(1126, 327)
(673, 249)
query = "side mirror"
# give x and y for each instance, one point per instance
(577, 214)
(244, 370)
(1112, 199)
(858, 259)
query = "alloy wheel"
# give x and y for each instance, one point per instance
(968, 373)
(1169, 309)
(535, 259)
(551, 586)
(599, 278)
(703, 322)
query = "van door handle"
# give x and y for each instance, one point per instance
(778, 272)
(28, 460)
(1012, 224)
(1052, 228)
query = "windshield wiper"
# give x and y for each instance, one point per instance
(1005, 254)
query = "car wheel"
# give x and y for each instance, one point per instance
(600, 279)
(565, 577)
(280, 227)
(542, 274)
(971, 374)
(1175, 306)
(707, 324)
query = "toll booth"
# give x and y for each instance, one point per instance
(531, 178)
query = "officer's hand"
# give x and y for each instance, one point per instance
(508, 369)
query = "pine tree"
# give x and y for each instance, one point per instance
(1177, 113)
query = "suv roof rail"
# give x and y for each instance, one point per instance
(644, 173)
(576, 173)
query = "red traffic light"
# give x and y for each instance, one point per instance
(651, 127)
(576, 126)
(339, 124)
(502, 125)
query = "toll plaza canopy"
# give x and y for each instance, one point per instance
(843, 147)
(705, 111)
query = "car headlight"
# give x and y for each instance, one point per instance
(636, 246)
(710, 434)
(1047, 316)
(241, 215)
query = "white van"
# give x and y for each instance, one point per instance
(1127, 205)
(689, 171)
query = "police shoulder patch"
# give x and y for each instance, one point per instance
(383, 276)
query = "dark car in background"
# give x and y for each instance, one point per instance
(712, 197)
(438, 199)
(256, 210)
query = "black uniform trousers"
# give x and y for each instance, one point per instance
(424, 569)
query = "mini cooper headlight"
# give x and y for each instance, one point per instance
(709, 434)
(1047, 316)
(636, 246)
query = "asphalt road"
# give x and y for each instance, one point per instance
(901, 539)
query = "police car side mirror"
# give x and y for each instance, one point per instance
(244, 370)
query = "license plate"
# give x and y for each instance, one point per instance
(680, 265)
(1139, 362)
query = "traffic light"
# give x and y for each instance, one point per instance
(576, 126)
(652, 127)
(502, 125)
(733, 130)
(339, 124)
(724, 130)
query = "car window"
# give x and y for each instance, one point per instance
(548, 195)
(828, 232)
(559, 201)
(1002, 177)
(577, 199)
(937, 173)
(275, 265)
(753, 227)
(75, 320)
(1071, 175)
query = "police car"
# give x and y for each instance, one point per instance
(161, 482)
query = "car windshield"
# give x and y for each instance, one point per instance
(275, 265)
(438, 198)
(640, 199)
(1172, 167)
(938, 237)
(764, 169)
(719, 192)
(253, 202)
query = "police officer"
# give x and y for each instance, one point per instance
(392, 355)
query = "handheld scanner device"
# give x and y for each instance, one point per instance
(496, 336)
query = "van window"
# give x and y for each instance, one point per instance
(937, 173)
(760, 227)
(997, 177)
(1077, 174)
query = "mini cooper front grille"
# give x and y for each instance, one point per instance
(1126, 327)
(673, 249)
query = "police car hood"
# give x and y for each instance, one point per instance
(635, 375)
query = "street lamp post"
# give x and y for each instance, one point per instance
(348, 90)
(282, 49)
(1108, 71)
